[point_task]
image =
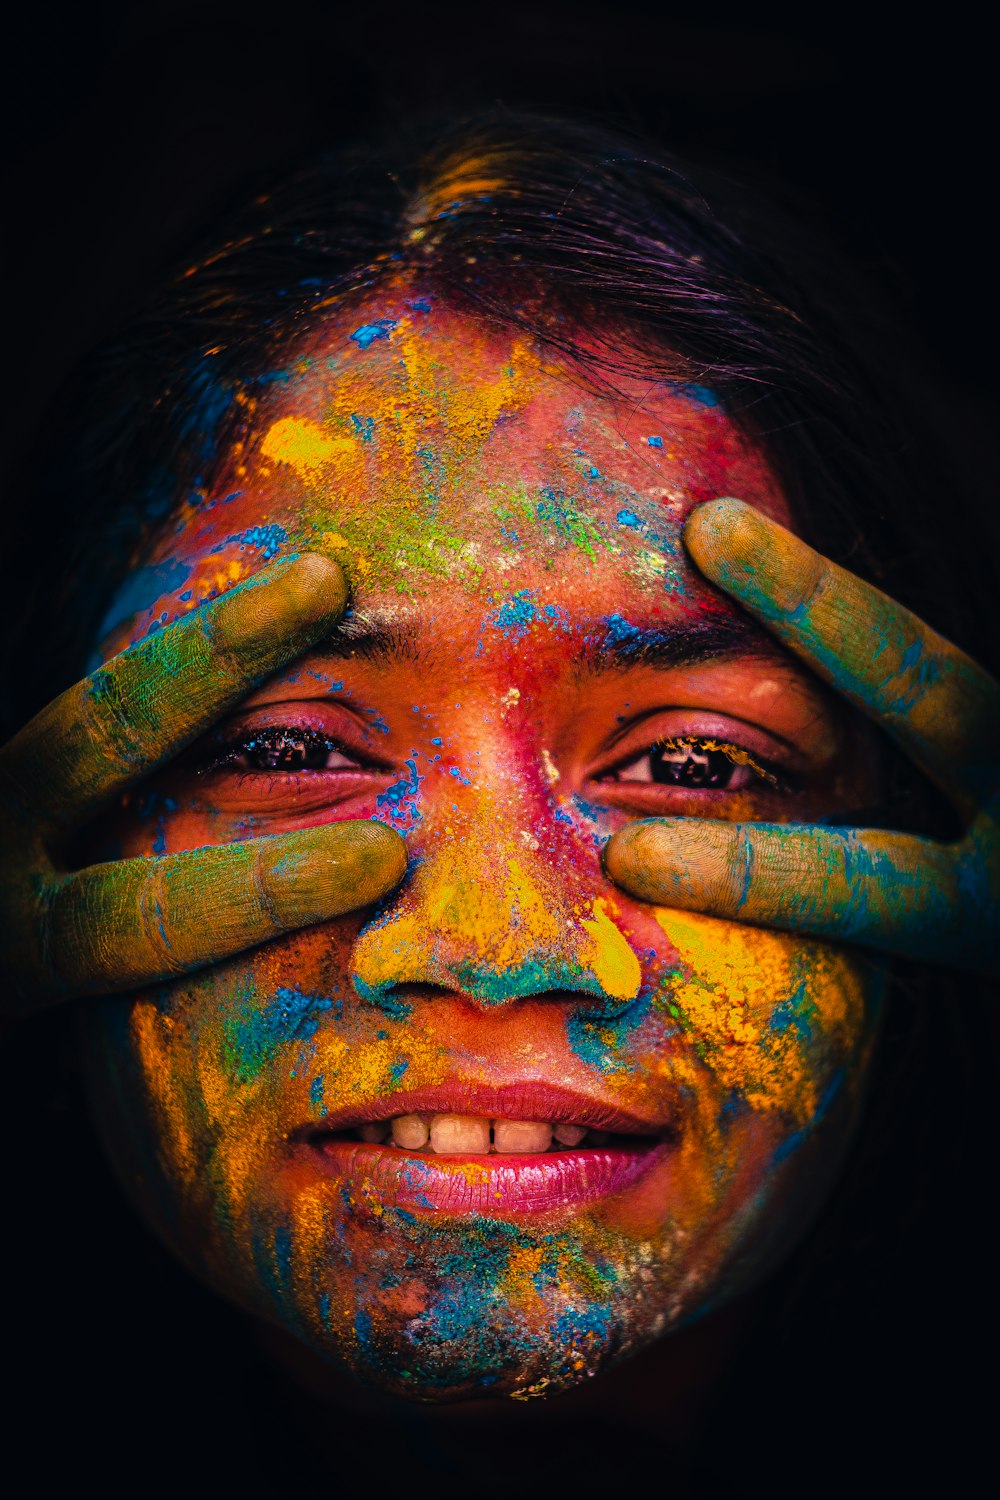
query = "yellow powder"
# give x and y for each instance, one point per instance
(609, 955)
(730, 985)
(305, 446)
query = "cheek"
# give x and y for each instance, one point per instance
(214, 1073)
(780, 1022)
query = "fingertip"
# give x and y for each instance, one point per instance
(279, 611)
(634, 857)
(388, 852)
(723, 530)
(317, 585)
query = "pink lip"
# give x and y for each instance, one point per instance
(485, 1185)
(530, 1099)
(489, 1184)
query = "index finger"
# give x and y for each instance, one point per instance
(934, 701)
(146, 704)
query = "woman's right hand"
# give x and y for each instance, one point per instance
(120, 925)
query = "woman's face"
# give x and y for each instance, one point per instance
(530, 661)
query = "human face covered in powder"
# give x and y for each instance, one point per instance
(512, 1124)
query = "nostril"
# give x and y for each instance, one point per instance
(395, 998)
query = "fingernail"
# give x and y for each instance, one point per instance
(749, 555)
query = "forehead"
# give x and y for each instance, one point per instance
(432, 453)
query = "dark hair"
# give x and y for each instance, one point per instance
(556, 226)
(549, 225)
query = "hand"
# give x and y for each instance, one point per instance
(907, 895)
(119, 925)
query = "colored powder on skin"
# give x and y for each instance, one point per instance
(702, 395)
(267, 538)
(730, 981)
(396, 804)
(610, 956)
(305, 447)
(568, 523)
(515, 617)
(254, 1038)
(367, 334)
(142, 589)
(429, 428)
(508, 932)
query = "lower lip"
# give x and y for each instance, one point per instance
(533, 1184)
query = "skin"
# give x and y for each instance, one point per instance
(554, 528)
(113, 925)
(927, 900)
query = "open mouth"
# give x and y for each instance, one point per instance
(444, 1134)
(416, 1152)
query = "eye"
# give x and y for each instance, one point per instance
(283, 749)
(694, 764)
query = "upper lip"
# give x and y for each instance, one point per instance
(528, 1099)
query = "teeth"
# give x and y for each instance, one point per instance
(521, 1135)
(470, 1135)
(460, 1135)
(409, 1131)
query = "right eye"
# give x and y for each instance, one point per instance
(282, 749)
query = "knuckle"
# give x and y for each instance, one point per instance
(159, 916)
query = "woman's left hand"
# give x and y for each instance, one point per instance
(919, 897)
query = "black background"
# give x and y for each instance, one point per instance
(128, 128)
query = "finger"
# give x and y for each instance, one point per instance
(116, 926)
(144, 705)
(938, 705)
(886, 890)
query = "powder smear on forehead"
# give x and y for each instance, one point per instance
(410, 430)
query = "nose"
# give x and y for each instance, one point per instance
(495, 924)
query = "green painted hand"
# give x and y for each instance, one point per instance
(919, 897)
(119, 925)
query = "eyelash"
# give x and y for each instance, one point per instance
(274, 737)
(302, 739)
(706, 745)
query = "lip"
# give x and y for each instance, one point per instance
(497, 1185)
(528, 1099)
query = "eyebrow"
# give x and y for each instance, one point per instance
(610, 643)
(373, 641)
(623, 645)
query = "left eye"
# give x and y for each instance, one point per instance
(285, 750)
(695, 765)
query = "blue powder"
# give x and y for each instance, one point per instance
(381, 995)
(515, 617)
(396, 804)
(702, 394)
(141, 591)
(366, 335)
(291, 1016)
(267, 538)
